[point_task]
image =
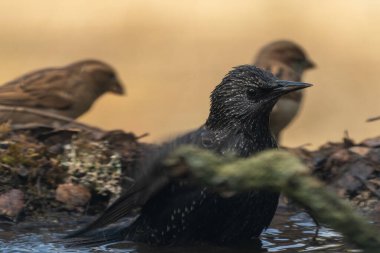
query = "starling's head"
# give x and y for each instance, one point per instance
(286, 52)
(245, 94)
(99, 74)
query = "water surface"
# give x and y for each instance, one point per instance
(290, 231)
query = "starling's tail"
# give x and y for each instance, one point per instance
(98, 237)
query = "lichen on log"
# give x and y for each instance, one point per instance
(278, 171)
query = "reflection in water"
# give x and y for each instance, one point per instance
(290, 232)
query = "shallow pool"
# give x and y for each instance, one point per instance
(290, 231)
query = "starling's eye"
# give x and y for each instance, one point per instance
(251, 94)
(256, 94)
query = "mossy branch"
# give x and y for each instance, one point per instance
(278, 171)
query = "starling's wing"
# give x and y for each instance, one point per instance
(135, 197)
(124, 206)
(152, 178)
(49, 88)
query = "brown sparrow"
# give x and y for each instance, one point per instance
(287, 61)
(67, 92)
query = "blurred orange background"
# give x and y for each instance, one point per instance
(170, 55)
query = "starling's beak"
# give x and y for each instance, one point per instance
(283, 87)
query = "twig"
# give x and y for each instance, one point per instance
(278, 171)
(36, 112)
(142, 136)
(370, 188)
(373, 119)
(6, 166)
(49, 115)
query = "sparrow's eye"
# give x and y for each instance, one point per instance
(279, 73)
(106, 74)
(295, 62)
(110, 75)
(113, 75)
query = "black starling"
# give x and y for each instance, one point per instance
(176, 212)
(287, 61)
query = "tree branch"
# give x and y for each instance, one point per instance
(278, 171)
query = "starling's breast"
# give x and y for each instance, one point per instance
(182, 212)
(244, 216)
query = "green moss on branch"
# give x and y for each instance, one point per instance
(278, 171)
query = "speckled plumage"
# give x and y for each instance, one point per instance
(177, 212)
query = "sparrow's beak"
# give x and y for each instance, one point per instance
(309, 64)
(283, 87)
(117, 88)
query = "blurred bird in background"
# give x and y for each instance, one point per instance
(287, 61)
(66, 92)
